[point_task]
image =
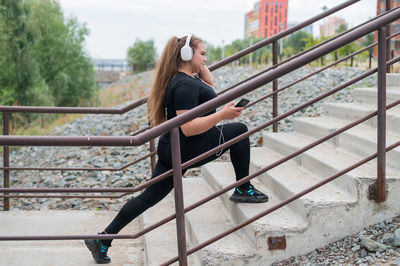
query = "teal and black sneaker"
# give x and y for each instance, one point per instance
(250, 195)
(99, 251)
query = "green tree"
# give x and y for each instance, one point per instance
(142, 54)
(42, 60)
(297, 41)
(64, 65)
(19, 71)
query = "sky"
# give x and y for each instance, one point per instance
(114, 25)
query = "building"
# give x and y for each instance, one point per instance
(267, 18)
(330, 26)
(395, 42)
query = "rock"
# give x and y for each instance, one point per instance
(373, 246)
(387, 239)
(395, 262)
(396, 238)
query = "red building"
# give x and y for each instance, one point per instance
(395, 42)
(266, 19)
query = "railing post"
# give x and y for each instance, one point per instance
(179, 205)
(6, 159)
(388, 32)
(381, 125)
(152, 157)
(275, 86)
(370, 58)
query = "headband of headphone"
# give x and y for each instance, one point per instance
(186, 50)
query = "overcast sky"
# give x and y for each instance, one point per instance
(115, 24)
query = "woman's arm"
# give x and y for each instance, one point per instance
(206, 76)
(202, 124)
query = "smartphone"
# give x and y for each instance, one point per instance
(242, 103)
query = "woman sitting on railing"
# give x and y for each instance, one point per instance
(183, 82)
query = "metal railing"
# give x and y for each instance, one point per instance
(173, 125)
(33, 109)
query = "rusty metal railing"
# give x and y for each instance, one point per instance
(173, 124)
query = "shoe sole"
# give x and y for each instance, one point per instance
(90, 245)
(241, 200)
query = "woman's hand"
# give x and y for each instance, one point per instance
(230, 112)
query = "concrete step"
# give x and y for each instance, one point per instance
(323, 160)
(369, 95)
(208, 221)
(160, 245)
(65, 252)
(354, 111)
(360, 140)
(288, 179)
(221, 174)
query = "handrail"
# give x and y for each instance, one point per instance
(206, 107)
(201, 157)
(225, 189)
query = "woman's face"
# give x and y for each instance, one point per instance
(199, 58)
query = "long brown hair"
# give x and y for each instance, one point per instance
(166, 68)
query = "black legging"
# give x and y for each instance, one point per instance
(190, 148)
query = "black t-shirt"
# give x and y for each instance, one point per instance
(185, 92)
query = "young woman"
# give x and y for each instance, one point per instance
(183, 82)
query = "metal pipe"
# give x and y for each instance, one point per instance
(275, 86)
(73, 110)
(381, 124)
(6, 159)
(388, 46)
(178, 189)
(79, 168)
(62, 196)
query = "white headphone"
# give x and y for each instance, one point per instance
(186, 50)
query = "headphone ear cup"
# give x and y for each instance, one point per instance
(186, 53)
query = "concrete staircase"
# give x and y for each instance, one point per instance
(323, 216)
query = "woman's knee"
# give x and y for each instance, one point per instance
(240, 128)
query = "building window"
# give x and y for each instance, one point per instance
(266, 20)
(266, 32)
(266, 7)
(276, 7)
(276, 18)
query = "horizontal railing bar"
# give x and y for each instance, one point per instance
(281, 204)
(77, 168)
(61, 196)
(73, 110)
(280, 35)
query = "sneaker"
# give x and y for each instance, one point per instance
(99, 251)
(250, 195)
